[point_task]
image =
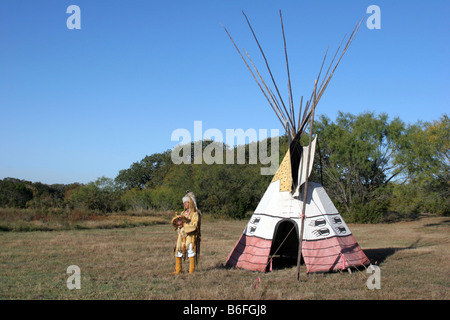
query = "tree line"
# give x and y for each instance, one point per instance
(374, 169)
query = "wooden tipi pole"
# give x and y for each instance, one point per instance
(305, 188)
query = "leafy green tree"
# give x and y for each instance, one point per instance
(46, 196)
(355, 159)
(150, 170)
(425, 152)
(425, 157)
(15, 193)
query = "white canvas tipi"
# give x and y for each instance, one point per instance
(296, 219)
(271, 237)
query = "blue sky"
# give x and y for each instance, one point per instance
(76, 105)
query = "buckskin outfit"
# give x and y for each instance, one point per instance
(187, 226)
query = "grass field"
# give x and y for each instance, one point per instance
(136, 263)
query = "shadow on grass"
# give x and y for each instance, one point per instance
(442, 223)
(379, 255)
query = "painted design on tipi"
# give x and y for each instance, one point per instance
(284, 173)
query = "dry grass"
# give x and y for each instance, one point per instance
(22, 220)
(136, 263)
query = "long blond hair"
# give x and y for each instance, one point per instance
(190, 196)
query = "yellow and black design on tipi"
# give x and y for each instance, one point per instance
(284, 173)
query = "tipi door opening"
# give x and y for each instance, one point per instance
(284, 249)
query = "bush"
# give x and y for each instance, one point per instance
(99, 196)
(136, 199)
(365, 212)
(405, 201)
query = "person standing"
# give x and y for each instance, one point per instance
(187, 226)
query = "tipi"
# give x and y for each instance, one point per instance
(293, 208)
(272, 235)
